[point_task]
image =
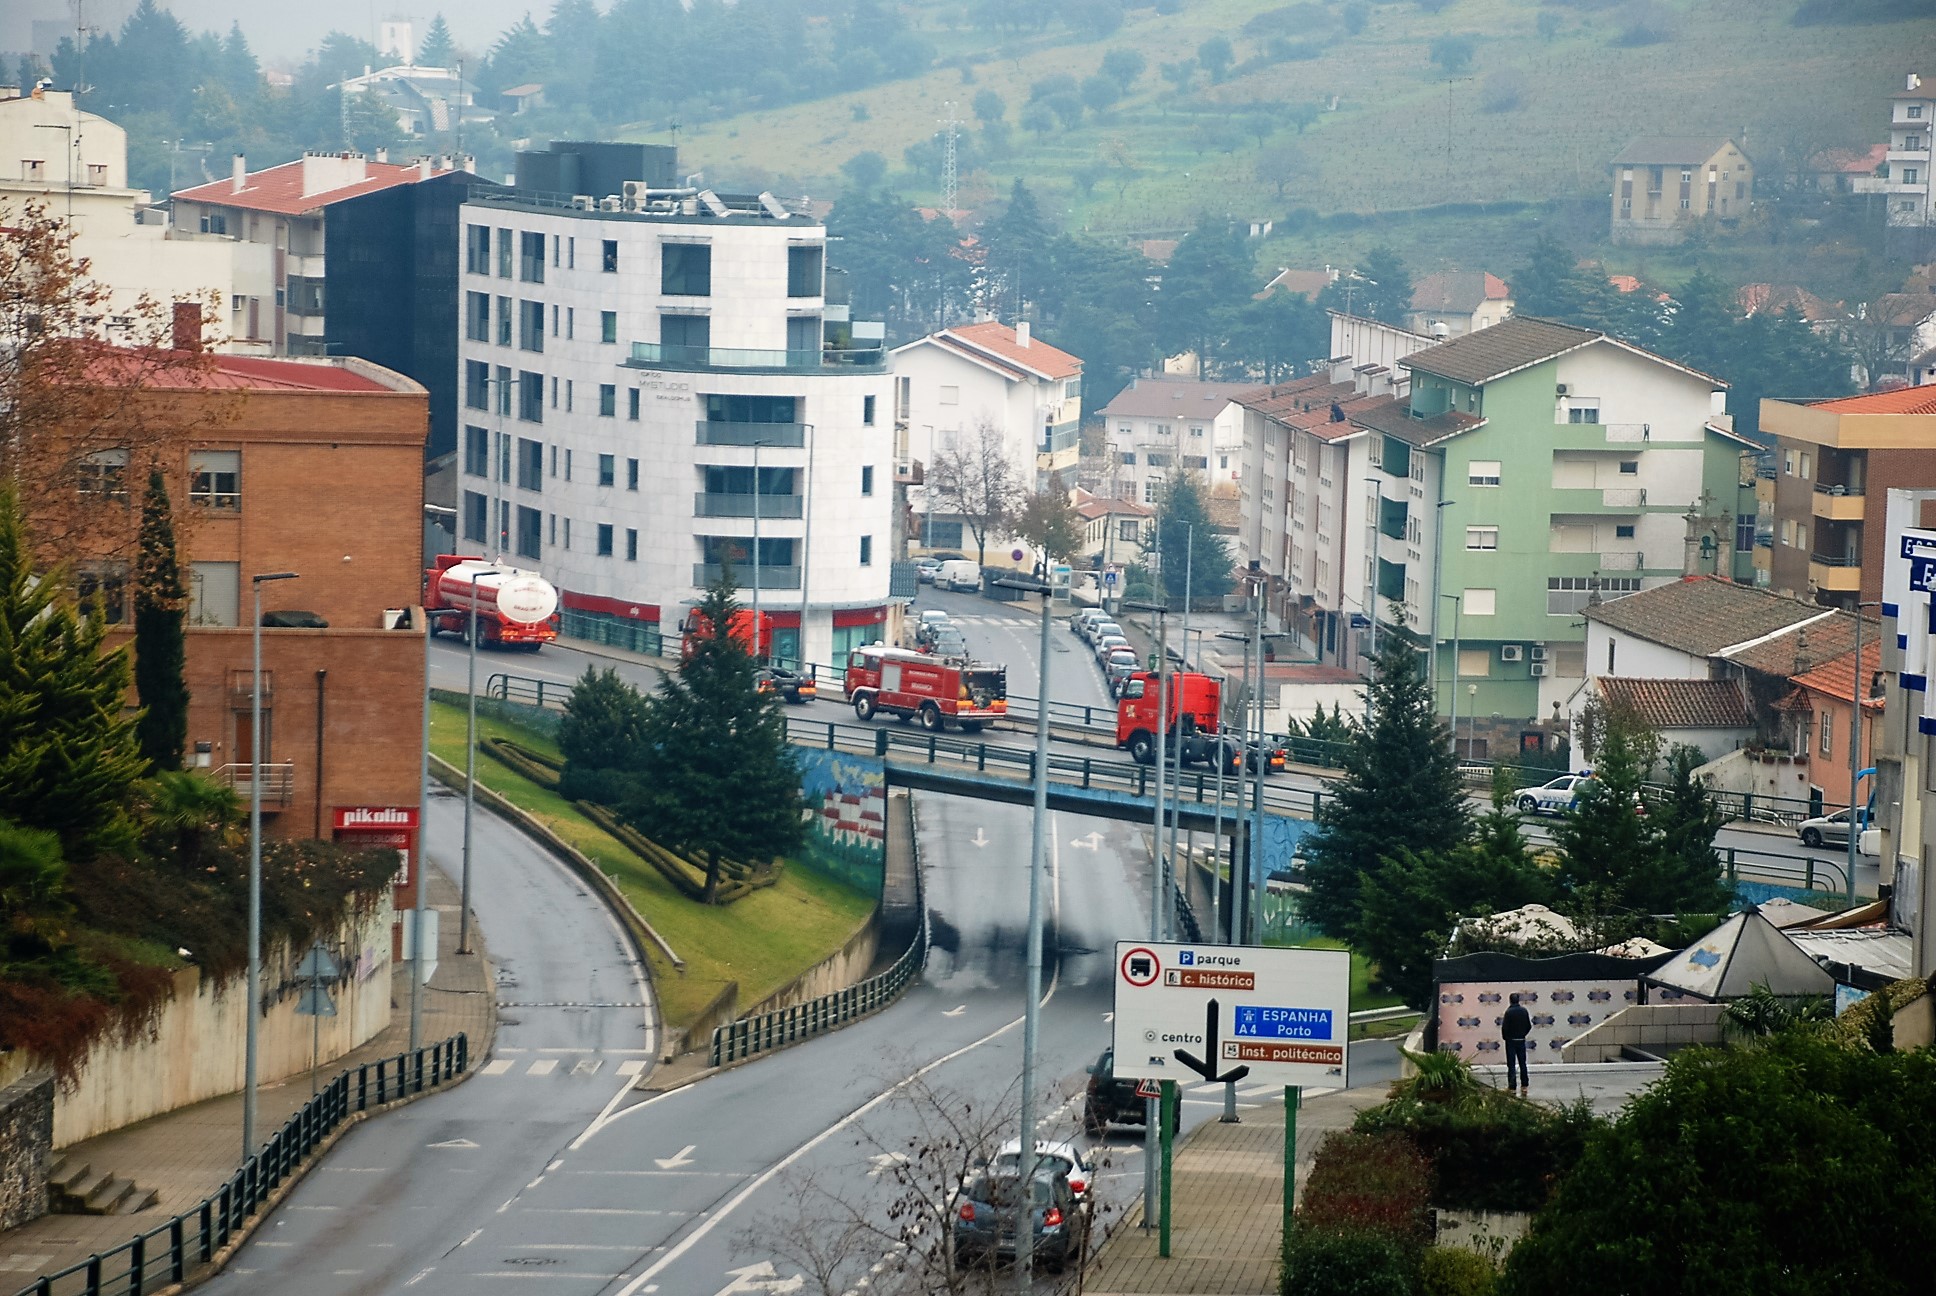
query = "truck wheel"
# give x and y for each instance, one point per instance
(931, 718)
(1142, 749)
(864, 706)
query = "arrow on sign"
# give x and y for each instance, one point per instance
(979, 839)
(1207, 1068)
(683, 1157)
(759, 1278)
(1092, 842)
(955, 1011)
(458, 1143)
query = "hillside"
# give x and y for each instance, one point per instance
(1565, 95)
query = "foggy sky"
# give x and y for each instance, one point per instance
(282, 31)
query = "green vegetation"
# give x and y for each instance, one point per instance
(760, 943)
(160, 644)
(1188, 550)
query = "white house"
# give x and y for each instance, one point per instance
(664, 382)
(1157, 425)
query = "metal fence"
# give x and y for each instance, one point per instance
(179, 1247)
(763, 1032)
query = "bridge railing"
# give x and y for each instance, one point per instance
(179, 1247)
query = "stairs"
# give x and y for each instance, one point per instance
(77, 1188)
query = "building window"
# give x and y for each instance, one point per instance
(867, 411)
(604, 539)
(632, 404)
(568, 385)
(477, 316)
(610, 255)
(504, 321)
(1583, 413)
(103, 475)
(215, 593)
(803, 271)
(1127, 530)
(950, 395)
(531, 326)
(867, 551)
(1825, 721)
(867, 479)
(1623, 531)
(531, 257)
(476, 515)
(1482, 537)
(942, 533)
(1150, 490)
(1479, 602)
(530, 464)
(504, 254)
(631, 474)
(571, 323)
(1787, 532)
(686, 337)
(607, 400)
(631, 545)
(1630, 467)
(477, 452)
(530, 396)
(1568, 595)
(1127, 458)
(1910, 175)
(607, 469)
(215, 479)
(557, 249)
(528, 531)
(571, 254)
(477, 384)
(567, 463)
(1474, 662)
(1806, 468)
(554, 393)
(567, 529)
(608, 326)
(686, 270)
(477, 249)
(1482, 472)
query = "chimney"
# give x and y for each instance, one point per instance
(423, 168)
(382, 154)
(1914, 82)
(1021, 333)
(238, 173)
(188, 327)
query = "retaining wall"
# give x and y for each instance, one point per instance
(26, 1139)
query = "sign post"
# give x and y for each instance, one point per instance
(1169, 1107)
(315, 971)
(1291, 1097)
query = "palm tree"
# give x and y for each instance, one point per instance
(185, 814)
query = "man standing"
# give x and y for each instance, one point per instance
(1514, 1027)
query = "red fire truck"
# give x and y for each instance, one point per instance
(1193, 724)
(514, 607)
(910, 684)
(740, 625)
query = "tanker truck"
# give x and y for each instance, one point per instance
(515, 608)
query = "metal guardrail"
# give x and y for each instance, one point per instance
(174, 1251)
(763, 1032)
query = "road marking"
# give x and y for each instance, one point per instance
(497, 1067)
(420, 1277)
(472, 1238)
(683, 1157)
(543, 1066)
(567, 1050)
(599, 1210)
(955, 1011)
(1092, 842)
(631, 1067)
(586, 1066)
(607, 1116)
(884, 1161)
(460, 1144)
(979, 839)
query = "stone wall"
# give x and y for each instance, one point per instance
(26, 1141)
(1651, 1028)
(196, 1049)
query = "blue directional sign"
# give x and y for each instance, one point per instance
(1922, 574)
(1258, 1021)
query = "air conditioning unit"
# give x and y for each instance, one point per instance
(634, 190)
(1538, 652)
(1538, 669)
(1510, 652)
(1560, 388)
(608, 204)
(584, 202)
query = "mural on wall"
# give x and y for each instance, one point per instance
(846, 812)
(1469, 1013)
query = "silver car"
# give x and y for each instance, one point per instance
(1830, 830)
(1107, 645)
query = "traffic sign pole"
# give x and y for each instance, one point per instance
(1169, 1106)
(1291, 1096)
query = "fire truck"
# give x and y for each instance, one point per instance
(909, 684)
(515, 607)
(1192, 721)
(696, 628)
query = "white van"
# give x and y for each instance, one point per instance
(959, 574)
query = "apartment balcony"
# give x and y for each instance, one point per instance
(1836, 573)
(278, 782)
(701, 359)
(1624, 497)
(298, 266)
(789, 436)
(1622, 560)
(1627, 433)
(773, 578)
(724, 504)
(1837, 503)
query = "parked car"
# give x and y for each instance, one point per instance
(1551, 798)
(1119, 666)
(1080, 623)
(1099, 630)
(1831, 830)
(925, 568)
(1108, 644)
(1270, 753)
(958, 574)
(1052, 1157)
(948, 642)
(984, 1225)
(1109, 1101)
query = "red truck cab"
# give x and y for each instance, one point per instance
(1193, 717)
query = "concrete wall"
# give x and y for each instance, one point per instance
(1652, 1028)
(196, 1050)
(847, 967)
(26, 1140)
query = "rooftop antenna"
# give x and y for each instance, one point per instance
(950, 181)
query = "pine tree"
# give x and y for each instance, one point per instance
(1605, 843)
(1686, 820)
(718, 780)
(602, 736)
(1388, 285)
(241, 75)
(69, 757)
(1400, 790)
(1187, 547)
(438, 49)
(160, 645)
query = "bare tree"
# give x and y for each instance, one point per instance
(977, 482)
(1048, 523)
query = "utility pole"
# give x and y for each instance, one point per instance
(1157, 930)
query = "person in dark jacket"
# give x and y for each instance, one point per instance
(1514, 1027)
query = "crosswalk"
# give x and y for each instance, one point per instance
(563, 1063)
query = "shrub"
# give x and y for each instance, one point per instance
(1323, 1262)
(1455, 1271)
(1488, 1150)
(1377, 1182)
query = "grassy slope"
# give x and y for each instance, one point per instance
(762, 941)
(1403, 138)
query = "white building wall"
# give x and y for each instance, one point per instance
(980, 395)
(1637, 658)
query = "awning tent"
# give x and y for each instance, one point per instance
(1744, 952)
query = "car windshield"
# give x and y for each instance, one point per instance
(1046, 1163)
(1006, 1190)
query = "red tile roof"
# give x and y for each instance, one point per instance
(234, 373)
(1836, 678)
(1680, 703)
(280, 188)
(1783, 299)
(997, 342)
(1903, 400)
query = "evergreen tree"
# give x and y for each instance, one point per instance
(602, 736)
(1399, 791)
(1552, 286)
(1188, 549)
(1686, 819)
(1605, 843)
(1388, 285)
(69, 757)
(438, 49)
(1211, 276)
(160, 644)
(239, 73)
(718, 779)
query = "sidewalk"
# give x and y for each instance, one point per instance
(1226, 1227)
(186, 1154)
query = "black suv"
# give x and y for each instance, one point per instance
(1110, 1101)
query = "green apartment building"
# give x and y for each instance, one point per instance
(1562, 465)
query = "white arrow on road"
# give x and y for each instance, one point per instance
(1092, 842)
(1109, 1017)
(882, 1162)
(453, 1143)
(955, 1011)
(760, 1278)
(683, 1157)
(979, 839)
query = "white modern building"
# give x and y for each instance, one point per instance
(75, 164)
(1905, 186)
(667, 376)
(1156, 425)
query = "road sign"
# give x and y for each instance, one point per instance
(1228, 1012)
(1110, 577)
(1359, 621)
(317, 965)
(1149, 1088)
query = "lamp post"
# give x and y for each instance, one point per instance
(470, 760)
(1156, 929)
(421, 858)
(1857, 687)
(1458, 611)
(255, 861)
(1176, 766)
(1438, 567)
(1031, 1012)
(758, 656)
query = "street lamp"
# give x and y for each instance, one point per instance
(1157, 930)
(758, 656)
(1031, 1012)
(1438, 567)
(1856, 689)
(1458, 611)
(255, 862)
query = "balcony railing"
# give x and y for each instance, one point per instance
(1836, 560)
(656, 355)
(1626, 433)
(775, 578)
(789, 436)
(1624, 497)
(278, 782)
(1837, 488)
(740, 505)
(1622, 560)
